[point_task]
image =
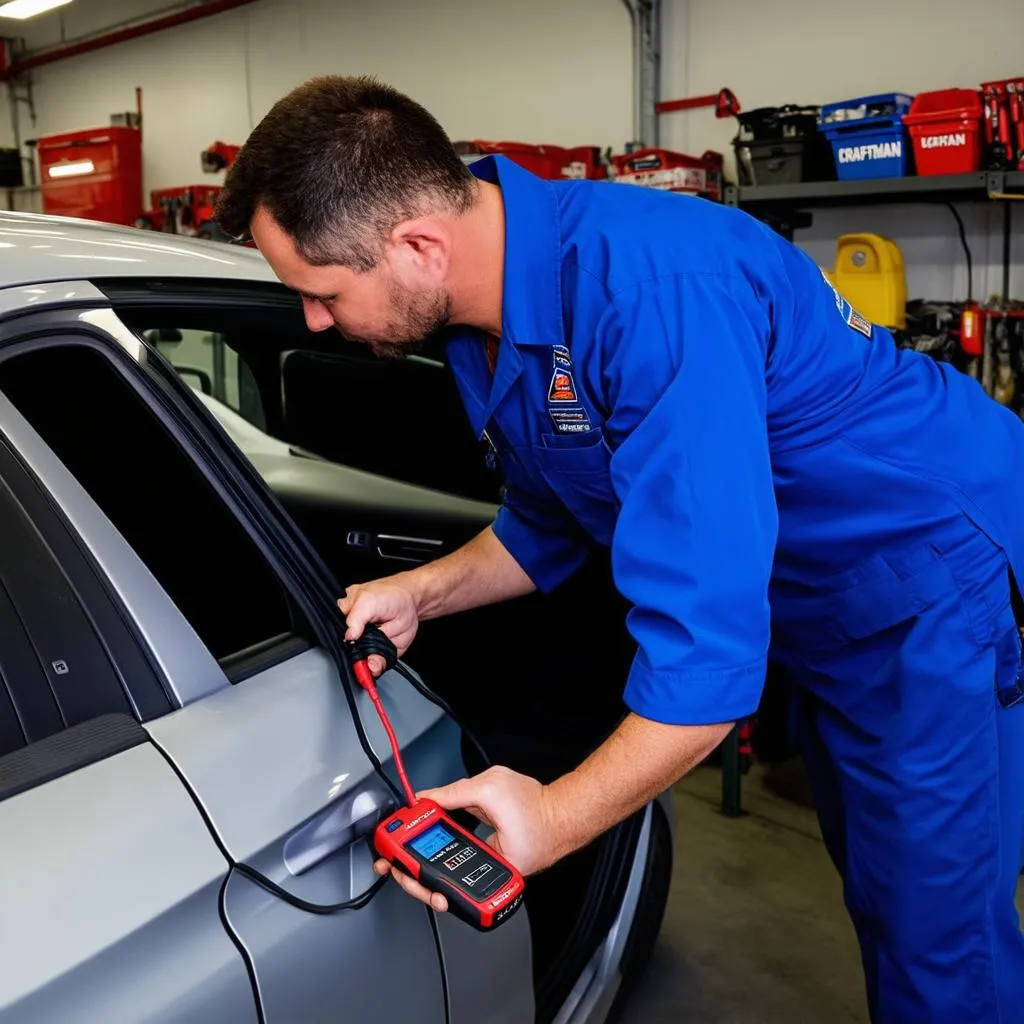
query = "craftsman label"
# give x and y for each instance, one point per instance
(870, 151)
(944, 141)
(563, 387)
(570, 421)
(562, 357)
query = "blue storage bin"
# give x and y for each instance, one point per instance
(868, 137)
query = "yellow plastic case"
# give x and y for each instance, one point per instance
(869, 274)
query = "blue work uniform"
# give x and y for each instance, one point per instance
(678, 382)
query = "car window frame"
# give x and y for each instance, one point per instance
(135, 362)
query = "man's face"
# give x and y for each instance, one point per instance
(394, 317)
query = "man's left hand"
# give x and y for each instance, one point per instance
(519, 810)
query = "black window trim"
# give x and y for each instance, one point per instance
(65, 752)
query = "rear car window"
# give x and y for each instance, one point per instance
(54, 671)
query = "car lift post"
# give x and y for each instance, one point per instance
(731, 774)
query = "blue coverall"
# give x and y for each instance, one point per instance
(677, 381)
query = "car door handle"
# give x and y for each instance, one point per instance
(407, 549)
(345, 823)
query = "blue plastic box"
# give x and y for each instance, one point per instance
(868, 137)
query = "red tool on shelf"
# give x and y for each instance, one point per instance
(724, 101)
(1004, 123)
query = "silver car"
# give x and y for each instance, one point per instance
(189, 778)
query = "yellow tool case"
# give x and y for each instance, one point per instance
(869, 274)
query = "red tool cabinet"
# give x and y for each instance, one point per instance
(94, 173)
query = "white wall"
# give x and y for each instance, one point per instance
(807, 51)
(531, 70)
(555, 71)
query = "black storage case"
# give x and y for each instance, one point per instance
(782, 146)
(11, 175)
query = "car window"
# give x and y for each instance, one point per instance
(103, 431)
(54, 671)
(205, 359)
(402, 419)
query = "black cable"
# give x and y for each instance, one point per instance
(967, 251)
(403, 670)
(310, 908)
(243, 952)
(251, 873)
(375, 641)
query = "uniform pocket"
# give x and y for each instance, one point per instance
(878, 594)
(577, 467)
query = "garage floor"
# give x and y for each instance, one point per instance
(755, 931)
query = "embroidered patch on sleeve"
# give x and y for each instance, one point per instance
(853, 319)
(858, 323)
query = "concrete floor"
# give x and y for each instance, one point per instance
(755, 931)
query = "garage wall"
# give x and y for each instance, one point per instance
(532, 69)
(546, 70)
(803, 51)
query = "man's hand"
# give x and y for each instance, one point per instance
(514, 805)
(387, 604)
(536, 825)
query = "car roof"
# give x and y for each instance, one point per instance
(35, 248)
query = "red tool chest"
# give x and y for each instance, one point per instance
(947, 131)
(551, 162)
(674, 172)
(94, 173)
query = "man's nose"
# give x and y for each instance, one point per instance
(318, 317)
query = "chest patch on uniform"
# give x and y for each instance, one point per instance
(570, 421)
(853, 319)
(561, 357)
(563, 387)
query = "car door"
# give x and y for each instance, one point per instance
(110, 882)
(268, 737)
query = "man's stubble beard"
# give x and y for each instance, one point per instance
(417, 318)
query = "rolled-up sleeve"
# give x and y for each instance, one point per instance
(546, 543)
(686, 361)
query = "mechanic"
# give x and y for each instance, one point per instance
(668, 376)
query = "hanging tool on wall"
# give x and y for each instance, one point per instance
(724, 101)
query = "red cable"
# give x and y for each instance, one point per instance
(365, 678)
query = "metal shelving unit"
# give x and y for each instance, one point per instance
(947, 188)
(785, 206)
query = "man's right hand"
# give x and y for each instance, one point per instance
(388, 605)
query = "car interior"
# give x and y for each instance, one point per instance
(513, 676)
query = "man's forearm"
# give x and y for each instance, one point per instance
(636, 763)
(480, 572)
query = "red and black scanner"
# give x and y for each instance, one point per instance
(481, 887)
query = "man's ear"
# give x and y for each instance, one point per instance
(420, 247)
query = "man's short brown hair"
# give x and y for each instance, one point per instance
(337, 163)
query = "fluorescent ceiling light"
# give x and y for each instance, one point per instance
(70, 170)
(22, 9)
